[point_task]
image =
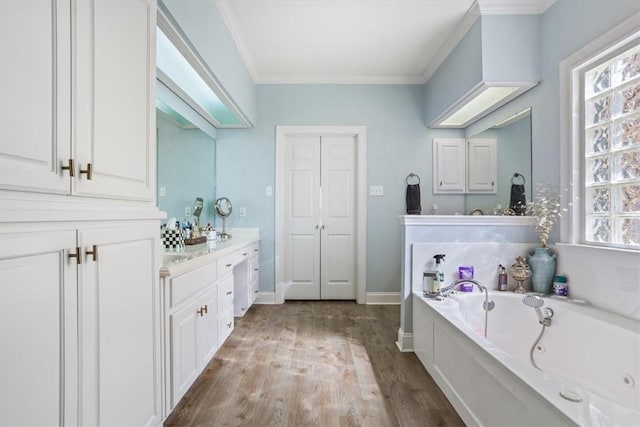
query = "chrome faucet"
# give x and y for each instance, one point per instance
(487, 305)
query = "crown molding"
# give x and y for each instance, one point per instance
(336, 80)
(510, 7)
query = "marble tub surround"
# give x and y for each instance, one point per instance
(459, 231)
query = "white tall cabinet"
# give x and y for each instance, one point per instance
(79, 231)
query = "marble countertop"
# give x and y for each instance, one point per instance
(176, 262)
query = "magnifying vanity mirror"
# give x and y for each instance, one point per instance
(223, 210)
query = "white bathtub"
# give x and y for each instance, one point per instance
(491, 381)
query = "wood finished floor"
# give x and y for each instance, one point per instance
(315, 364)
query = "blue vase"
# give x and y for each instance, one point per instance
(543, 268)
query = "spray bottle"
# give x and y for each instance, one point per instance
(440, 269)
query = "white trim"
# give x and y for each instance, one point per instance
(521, 7)
(470, 220)
(266, 298)
(570, 126)
(361, 189)
(341, 79)
(405, 341)
(383, 298)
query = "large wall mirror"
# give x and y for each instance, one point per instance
(186, 167)
(513, 137)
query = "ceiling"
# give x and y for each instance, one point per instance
(354, 41)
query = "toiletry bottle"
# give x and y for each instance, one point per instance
(440, 269)
(502, 278)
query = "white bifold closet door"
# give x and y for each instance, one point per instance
(320, 217)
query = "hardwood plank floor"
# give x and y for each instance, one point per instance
(314, 364)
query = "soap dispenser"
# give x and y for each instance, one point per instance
(440, 269)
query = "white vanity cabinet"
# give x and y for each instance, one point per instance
(79, 313)
(192, 324)
(464, 166)
(254, 271)
(78, 111)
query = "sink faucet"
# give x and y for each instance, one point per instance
(488, 305)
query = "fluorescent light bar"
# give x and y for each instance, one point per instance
(476, 106)
(176, 67)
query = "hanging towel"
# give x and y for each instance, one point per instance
(413, 199)
(518, 201)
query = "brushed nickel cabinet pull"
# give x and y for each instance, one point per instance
(77, 255)
(255, 250)
(229, 325)
(229, 265)
(200, 312)
(229, 292)
(88, 171)
(69, 167)
(206, 309)
(93, 252)
(244, 254)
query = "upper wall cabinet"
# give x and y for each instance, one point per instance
(461, 166)
(497, 60)
(78, 109)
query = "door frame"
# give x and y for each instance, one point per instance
(360, 134)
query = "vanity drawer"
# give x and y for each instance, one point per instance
(242, 255)
(225, 325)
(183, 286)
(225, 293)
(225, 265)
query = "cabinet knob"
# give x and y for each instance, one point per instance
(440, 183)
(77, 255)
(244, 253)
(229, 292)
(255, 292)
(255, 250)
(229, 325)
(317, 226)
(69, 167)
(229, 265)
(88, 171)
(255, 269)
(93, 252)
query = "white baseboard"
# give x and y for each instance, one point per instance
(405, 341)
(266, 298)
(383, 298)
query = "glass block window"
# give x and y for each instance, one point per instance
(612, 150)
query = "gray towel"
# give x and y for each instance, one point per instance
(413, 199)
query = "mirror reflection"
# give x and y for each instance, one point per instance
(513, 138)
(186, 169)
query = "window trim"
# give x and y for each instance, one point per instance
(571, 125)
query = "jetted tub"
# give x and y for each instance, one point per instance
(585, 354)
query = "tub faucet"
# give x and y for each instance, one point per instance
(488, 305)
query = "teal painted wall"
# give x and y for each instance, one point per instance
(398, 143)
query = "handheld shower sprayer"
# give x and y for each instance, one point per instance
(544, 316)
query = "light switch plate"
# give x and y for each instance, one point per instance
(163, 191)
(376, 191)
(243, 211)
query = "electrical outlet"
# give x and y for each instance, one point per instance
(376, 191)
(187, 211)
(269, 191)
(163, 191)
(243, 211)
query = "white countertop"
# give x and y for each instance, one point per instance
(176, 262)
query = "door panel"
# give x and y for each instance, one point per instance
(35, 120)
(115, 66)
(338, 218)
(38, 325)
(119, 326)
(302, 244)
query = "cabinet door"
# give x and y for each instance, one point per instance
(114, 98)
(184, 350)
(119, 325)
(482, 166)
(207, 326)
(449, 165)
(35, 120)
(38, 329)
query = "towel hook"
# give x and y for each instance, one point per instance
(516, 176)
(412, 175)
